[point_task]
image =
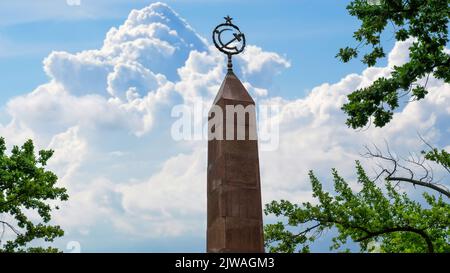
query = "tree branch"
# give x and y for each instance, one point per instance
(16, 198)
(394, 174)
(371, 234)
(420, 232)
(307, 230)
(420, 183)
(11, 227)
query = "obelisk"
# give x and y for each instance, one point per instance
(234, 207)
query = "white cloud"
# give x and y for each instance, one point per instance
(73, 2)
(82, 73)
(96, 98)
(50, 109)
(259, 67)
(132, 80)
(400, 53)
(70, 150)
(106, 112)
(176, 192)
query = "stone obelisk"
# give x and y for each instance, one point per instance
(234, 207)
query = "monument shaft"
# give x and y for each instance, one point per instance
(234, 207)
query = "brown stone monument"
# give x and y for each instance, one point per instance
(233, 182)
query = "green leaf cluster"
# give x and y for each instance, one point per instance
(424, 20)
(25, 187)
(377, 219)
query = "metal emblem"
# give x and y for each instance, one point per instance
(232, 45)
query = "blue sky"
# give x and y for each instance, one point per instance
(98, 82)
(309, 33)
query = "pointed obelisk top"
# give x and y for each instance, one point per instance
(233, 89)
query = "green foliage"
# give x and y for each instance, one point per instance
(424, 20)
(379, 219)
(440, 157)
(387, 218)
(25, 186)
(345, 54)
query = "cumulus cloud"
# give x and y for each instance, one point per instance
(106, 113)
(400, 53)
(70, 151)
(98, 112)
(175, 192)
(51, 109)
(152, 41)
(259, 67)
(313, 131)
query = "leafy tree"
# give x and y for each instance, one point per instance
(427, 22)
(25, 188)
(390, 219)
(374, 217)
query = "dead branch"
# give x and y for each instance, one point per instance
(392, 171)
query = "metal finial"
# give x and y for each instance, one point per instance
(235, 43)
(228, 20)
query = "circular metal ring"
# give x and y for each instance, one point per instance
(229, 47)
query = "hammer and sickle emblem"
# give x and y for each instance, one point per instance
(225, 46)
(229, 47)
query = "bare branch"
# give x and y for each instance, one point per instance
(3, 233)
(411, 173)
(11, 227)
(393, 173)
(420, 163)
(433, 149)
(420, 183)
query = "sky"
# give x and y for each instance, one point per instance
(30, 30)
(97, 81)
